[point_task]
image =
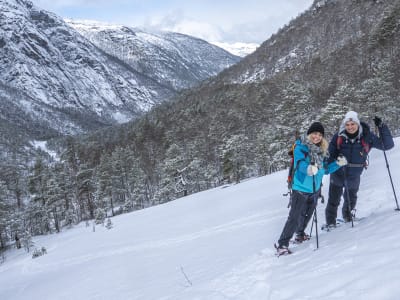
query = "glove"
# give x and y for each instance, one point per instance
(341, 161)
(312, 170)
(377, 121)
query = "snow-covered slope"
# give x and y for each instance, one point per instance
(218, 244)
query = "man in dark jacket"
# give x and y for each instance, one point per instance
(354, 140)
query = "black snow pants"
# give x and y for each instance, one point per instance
(335, 194)
(301, 210)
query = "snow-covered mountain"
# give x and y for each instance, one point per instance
(175, 60)
(218, 245)
(239, 49)
(45, 58)
(321, 32)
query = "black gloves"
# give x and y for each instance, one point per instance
(377, 121)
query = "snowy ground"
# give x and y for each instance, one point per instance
(218, 244)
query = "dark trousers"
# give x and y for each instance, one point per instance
(335, 194)
(301, 210)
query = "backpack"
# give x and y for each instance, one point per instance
(292, 168)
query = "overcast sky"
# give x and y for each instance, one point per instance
(251, 21)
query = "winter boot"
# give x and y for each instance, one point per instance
(282, 250)
(346, 219)
(328, 227)
(301, 237)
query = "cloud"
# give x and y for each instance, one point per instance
(232, 21)
(253, 32)
(250, 32)
(251, 22)
(66, 3)
(176, 21)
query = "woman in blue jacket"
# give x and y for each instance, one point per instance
(354, 140)
(310, 161)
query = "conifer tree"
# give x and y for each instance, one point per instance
(86, 189)
(5, 210)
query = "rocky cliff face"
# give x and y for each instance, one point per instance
(76, 75)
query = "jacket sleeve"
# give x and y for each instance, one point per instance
(385, 143)
(300, 160)
(333, 150)
(331, 167)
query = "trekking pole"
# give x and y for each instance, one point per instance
(315, 213)
(316, 225)
(346, 186)
(387, 166)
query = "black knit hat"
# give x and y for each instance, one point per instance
(316, 127)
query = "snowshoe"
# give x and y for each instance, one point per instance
(301, 238)
(346, 220)
(329, 227)
(282, 250)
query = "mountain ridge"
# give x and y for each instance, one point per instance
(53, 63)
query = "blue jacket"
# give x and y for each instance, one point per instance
(355, 152)
(301, 181)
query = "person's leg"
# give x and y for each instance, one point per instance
(335, 193)
(353, 184)
(307, 213)
(292, 222)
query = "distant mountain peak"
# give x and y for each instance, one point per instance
(238, 48)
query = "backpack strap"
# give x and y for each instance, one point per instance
(339, 142)
(366, 147)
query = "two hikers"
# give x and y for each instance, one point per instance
(311, 164)
(344, 158)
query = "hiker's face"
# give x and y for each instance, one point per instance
(351, 127)
(316, 137)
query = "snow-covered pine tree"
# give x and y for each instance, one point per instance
(236, 152)
(378, 94)
(4, 216)
(27, 241)
(86, 189)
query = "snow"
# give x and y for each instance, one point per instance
(43, 146)
(218, 244)
(238, 48)
(93, 25)
(120, 117)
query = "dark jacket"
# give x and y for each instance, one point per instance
(356, 152)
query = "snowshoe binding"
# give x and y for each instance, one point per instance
(282, 250)
(329, 227)
(302, 237)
